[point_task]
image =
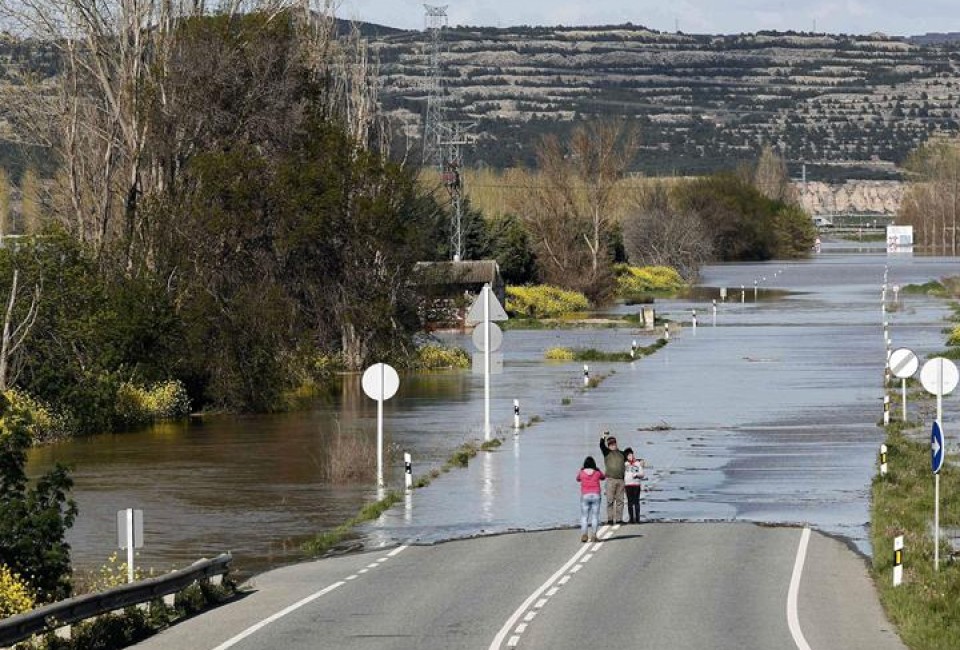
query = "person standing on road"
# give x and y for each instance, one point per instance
(633, 484)
(589, 478)
(613, 460)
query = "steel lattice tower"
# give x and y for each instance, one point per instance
(454, 137)
(436, 20)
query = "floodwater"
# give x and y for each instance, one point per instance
(770, 415)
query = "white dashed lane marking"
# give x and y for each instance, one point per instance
(528, 610)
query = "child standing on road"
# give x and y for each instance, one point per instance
(589, 478)
(632, 483)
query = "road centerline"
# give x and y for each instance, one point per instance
(793, 618)
(560, 577)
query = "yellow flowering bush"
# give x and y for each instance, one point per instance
(44, 423)
(114, 574)
(140, 405)
(560, 354)
(544, 301)
(434, 357)
(641, 279)
(15, 594)
(954, 338)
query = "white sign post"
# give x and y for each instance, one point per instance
(939, 376)
(130, 535)
(903, 363)
(380, 382)
(486, 308)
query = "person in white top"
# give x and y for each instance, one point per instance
(632, 482)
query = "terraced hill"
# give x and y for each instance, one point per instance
(850, 106)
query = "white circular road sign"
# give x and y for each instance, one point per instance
(380, 381)
(496, 337)
(939, 376)
(903, 363)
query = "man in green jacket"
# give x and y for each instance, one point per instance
(613, 460)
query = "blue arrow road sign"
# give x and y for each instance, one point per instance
(936, 448)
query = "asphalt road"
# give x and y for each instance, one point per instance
(664, 586)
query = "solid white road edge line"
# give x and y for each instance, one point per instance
(229, 643)
(793, 619)
(502, 634)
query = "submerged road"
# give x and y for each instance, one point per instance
(674, 586)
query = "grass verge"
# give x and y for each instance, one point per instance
(926, 607)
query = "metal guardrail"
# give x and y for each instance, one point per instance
(49, 617)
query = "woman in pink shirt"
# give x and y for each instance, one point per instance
(589, 477)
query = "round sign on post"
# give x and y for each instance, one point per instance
(903, 363)
(939, 376)
(496, 337)
(380, 381)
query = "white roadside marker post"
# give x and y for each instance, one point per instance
(407, 470)
(714, 312)
(516, 414)
(886, 410)
(130, 535)
(586, 376)
(883, 460)
(897, 560)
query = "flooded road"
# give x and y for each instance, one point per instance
(769, 416)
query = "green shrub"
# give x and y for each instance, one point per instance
(646, 279)
(435, 357)
(15, 594)
(544, 301)
(34, 514)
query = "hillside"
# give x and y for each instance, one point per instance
(850, 106)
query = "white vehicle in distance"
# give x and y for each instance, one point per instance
(822, 222)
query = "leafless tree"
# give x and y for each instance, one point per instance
(931, 203)
(99, 116)
(14, 333)
(570, 213)
(656, 233)
(771, 178)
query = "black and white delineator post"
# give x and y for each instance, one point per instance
(407, 470)
(586, 375)
(939, 376)
(883, 460)
(130, 535)
(904, 364)
(488, 338)
(380, 382)
(516, 414)
(897, 560)
(714, 312)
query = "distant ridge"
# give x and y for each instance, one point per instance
(935, 38)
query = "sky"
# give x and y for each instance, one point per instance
(892, 17)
